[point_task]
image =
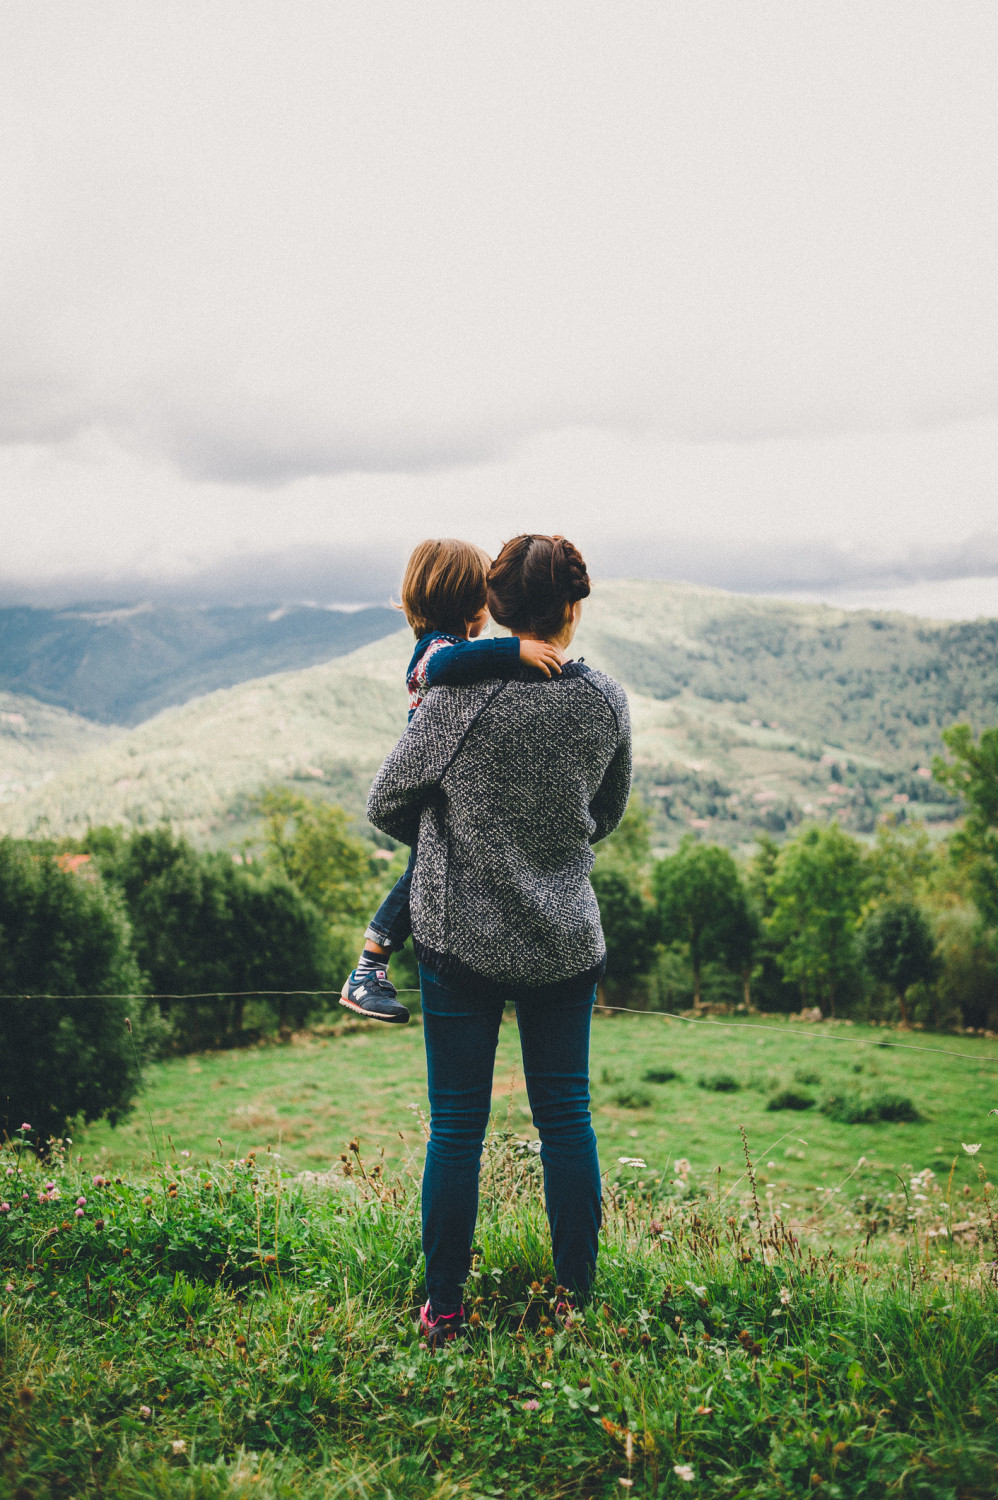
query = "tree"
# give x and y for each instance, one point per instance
(899, 948)
(973, 774)
(901, 861)
(64, 935)
(628, 920)
(312, 843)
(701, 904)
(816, 890)
(205, 927)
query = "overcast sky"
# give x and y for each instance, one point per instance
(710, 287)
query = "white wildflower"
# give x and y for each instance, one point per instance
(971, 1150)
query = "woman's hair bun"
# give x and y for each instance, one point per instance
(533, 582)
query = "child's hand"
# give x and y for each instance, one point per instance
(542, 655)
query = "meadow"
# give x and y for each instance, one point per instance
(186, 1319)
(308, 1100)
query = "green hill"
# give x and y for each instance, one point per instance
(38, 741)
(749, 714)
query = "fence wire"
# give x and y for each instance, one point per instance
(624, 1010)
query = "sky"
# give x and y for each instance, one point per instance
(711, 288)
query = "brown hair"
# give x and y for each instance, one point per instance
(444, 586)
(532, 583)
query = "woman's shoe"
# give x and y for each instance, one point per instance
(442, 1329)
(373, 995)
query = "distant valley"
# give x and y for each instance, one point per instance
(749, 714)
(120, 664)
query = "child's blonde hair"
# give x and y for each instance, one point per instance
(445, 585)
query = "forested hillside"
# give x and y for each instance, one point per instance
(120, 664)
(749, 715)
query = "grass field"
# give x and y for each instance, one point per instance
(308, 1100)
(218, 1332)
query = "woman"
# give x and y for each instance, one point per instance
(508, 783)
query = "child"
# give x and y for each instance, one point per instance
(443, 596)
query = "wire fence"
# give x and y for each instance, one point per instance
(806, 1036)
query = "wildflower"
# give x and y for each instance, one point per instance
(79, 1213)
(145, 1412)
(81, 1202)
(530, 1405)
(784, 1295)
(631, 1161)
(25, 1126)
(627, 1483)
(4, 1208)
(50, 1187)
(25, 1195)
(704, 1411)
(683, 1471)
(545, 1385)
(43, 1197)
(185, 1153)
(971, 1150)
(100, 1181)
(178, 1445)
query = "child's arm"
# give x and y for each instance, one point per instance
(457, 663)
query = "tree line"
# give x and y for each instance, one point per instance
(895, 928)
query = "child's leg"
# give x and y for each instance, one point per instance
(391, 924)
(368, 990)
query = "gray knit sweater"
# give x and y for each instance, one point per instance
(508, 784)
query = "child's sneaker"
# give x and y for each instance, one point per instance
(442, 1329)
(372, 994)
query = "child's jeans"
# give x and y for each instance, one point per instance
(391, 924)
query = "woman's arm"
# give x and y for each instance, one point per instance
(415, 768)
(608, 805)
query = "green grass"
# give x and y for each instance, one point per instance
(306, 1101)
(202, 1332)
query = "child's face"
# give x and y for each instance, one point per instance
(478, 624)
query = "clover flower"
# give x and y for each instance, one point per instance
(4, 1208)
(25, 1126)
(145, 1412)
(81, 1202)
(683, 1471)
(79, 1213)
(100, 1181)
(530, 1405)
(784, 1295)
(179, 1445)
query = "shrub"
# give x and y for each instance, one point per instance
(63, 937)
(791, 1099)
(720, 1083)
(659, 1075)
(632, 1098)
(853, 1109)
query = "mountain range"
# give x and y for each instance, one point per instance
(749, 714)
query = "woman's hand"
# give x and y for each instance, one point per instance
(542, 655)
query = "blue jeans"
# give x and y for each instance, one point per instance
(461, 1030)
(391, 924)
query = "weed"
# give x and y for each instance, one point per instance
(854, 1109)
(791, 1099)
(659, 1075)
(719, 1083)
(633, 1098)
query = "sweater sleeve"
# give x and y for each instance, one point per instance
(608, 805)
(454, 665)
(414, 769)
